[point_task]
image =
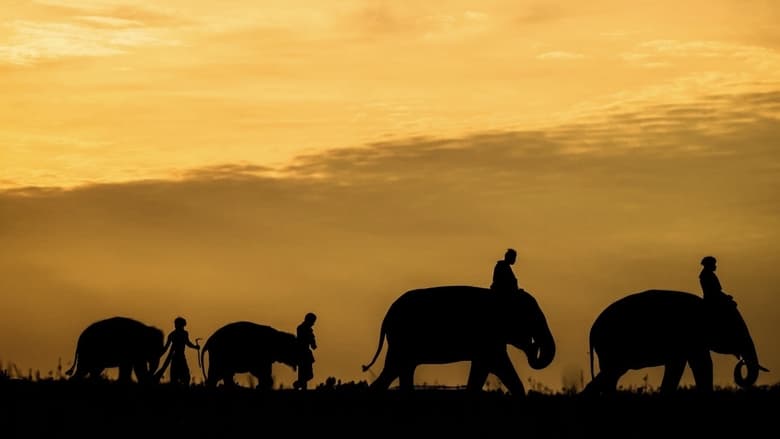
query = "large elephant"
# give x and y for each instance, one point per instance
(448, 324)
(241, 347)
(669, 328)
(120, 342)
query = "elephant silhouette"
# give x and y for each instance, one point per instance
(241, 347)
(120, 342)
(669, 328)
(448, 324)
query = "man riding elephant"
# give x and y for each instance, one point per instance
(504, 279)
(710, 284)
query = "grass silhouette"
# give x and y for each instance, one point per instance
(52, 407)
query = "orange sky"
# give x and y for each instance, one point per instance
(258, 160)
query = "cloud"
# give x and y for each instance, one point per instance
(560, 55)
(657, 53)
(233, 171)
(101, 20)
(150, 14)
(37, 41)
(428, 24)
(540, 13)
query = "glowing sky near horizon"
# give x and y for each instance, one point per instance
(261, 158)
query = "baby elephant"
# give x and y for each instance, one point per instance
(241, 347)
(118, 342)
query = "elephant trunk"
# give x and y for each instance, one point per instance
(749, 360)
(542, 350)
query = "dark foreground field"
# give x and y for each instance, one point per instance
(62, 409)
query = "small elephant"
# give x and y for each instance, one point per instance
(448, 324)
(118, 342)
(669, 328)
(241, 347)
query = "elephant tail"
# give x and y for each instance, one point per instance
(592, 375)
(378, 349)
(70, 371)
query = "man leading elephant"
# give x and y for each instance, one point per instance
(305, 339)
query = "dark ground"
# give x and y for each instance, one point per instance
(62, 409)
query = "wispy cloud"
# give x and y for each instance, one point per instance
(432, 26)
(657, 53)
(38, 41)
(102, 20)
(560, 55)
(451, 27)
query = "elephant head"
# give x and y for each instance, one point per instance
(289, 351)
(153, 349)
(526, 328)
(730, 335)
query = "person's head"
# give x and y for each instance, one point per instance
(310, 318)
(179, 322)
(510, 255)
(709, 262)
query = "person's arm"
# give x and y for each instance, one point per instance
(190, 343)
(313, 342)
(496, 275)
(168, 342)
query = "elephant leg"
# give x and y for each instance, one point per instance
(94, 373)
(79, 373)
(385, 378)
(263, 374)
(141, 371)
(477, 376)
(406, 377)
(593, 387)
(229, 379)
(673, 372)
(604, 382)
(701, 366)
(125, 372)
(502, 368)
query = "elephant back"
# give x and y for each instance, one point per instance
(242, 331)
(119, 330)
(453, 313)
(633, 320)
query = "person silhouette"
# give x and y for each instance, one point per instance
(710, 284)
(504, 279)
(178, 340)
(305, 338)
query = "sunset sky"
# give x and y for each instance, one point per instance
(257, 160)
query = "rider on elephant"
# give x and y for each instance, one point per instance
(504, 279)
(716, 301)
(710, 285)
(305, 338)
